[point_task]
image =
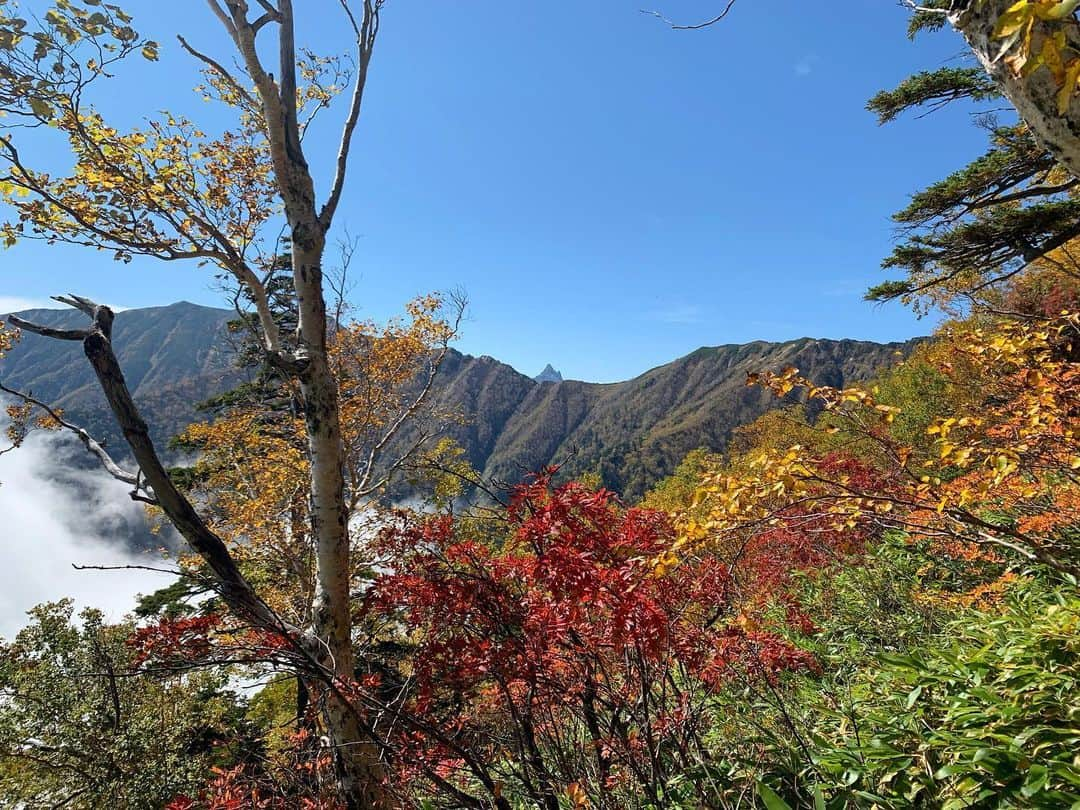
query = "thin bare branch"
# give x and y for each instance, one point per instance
(218, 68)
(174, 571)
(270, 332)
(923, 9)
(693, 26)
(264, 20)
(47, 331)
(365, 486)
(93, 447)
(84, 305)
(219, 12)
(270, 9)
(366, 33)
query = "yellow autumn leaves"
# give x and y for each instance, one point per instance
(1012, 450)
(7, 339)
(253, 470)
(1051, 50)
(166, 190)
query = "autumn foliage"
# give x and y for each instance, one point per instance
(253, 470)
(299, 775)
(867, 600)
(559, 664)
(1013, 448)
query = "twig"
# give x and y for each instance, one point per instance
(694, 26)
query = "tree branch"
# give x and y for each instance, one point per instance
(365, 44)
(230, 583)
(270, 9)
(694, 26)
(1023, 194)
(220, 70)
(365, 487)
(287, 69)
(46, 331)
(94, 447)
(219, 12)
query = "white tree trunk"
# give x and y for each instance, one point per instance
(1035, 96)
(362, 775)
(359, 767)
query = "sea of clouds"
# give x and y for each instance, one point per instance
(54, 516)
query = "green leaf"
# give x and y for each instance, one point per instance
(42, 108)
(946, 771)
(1036, 781)
(770, 799)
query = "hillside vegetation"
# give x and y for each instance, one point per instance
(630, 433)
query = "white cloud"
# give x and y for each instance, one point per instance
(683, 314)
(805, 66)
(16, 303)
(54, 518)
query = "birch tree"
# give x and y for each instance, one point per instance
(171, 191)
(1031, 50)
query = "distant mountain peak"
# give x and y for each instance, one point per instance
(549, 374)
(636, 431)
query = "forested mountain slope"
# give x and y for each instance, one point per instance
(631, 433)
(173, 358)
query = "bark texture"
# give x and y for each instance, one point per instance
(361, 774)
(1034, 96)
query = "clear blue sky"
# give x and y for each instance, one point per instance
(610, 193)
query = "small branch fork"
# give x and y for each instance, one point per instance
(275, 100)
(140, 492)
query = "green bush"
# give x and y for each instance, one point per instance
(987, 717)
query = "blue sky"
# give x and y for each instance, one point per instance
(610, 193)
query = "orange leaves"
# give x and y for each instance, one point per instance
(299, 778)
(18, 422)
(999, 469)
(1027, 427)
(577, 796)
(253, 471)
(22, 421)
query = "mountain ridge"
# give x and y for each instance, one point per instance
(630, 432)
